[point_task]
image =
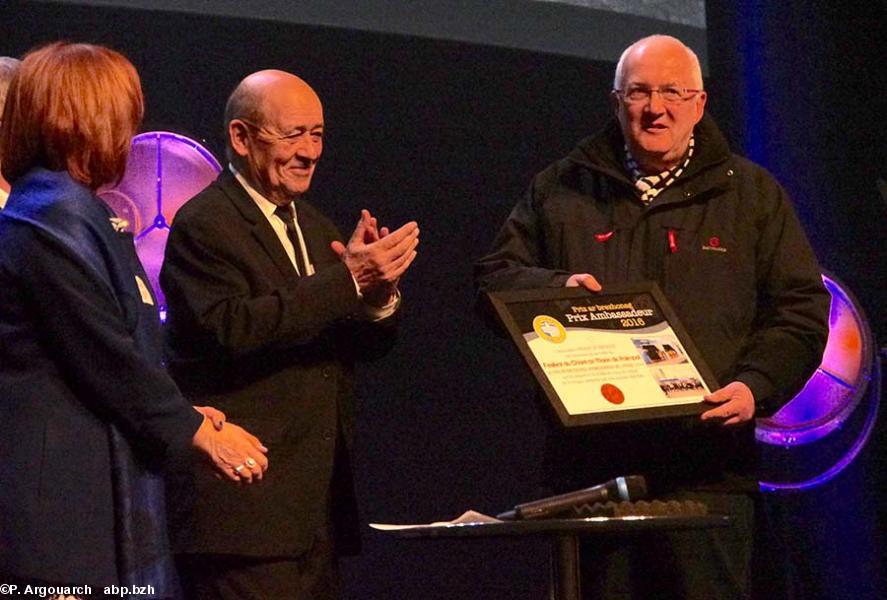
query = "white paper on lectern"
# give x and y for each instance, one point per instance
(466, 518)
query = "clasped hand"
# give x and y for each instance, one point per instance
(377, 258)
(233, 452)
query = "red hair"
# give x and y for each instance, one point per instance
(71, 107)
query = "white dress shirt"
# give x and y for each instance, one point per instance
(267, 207)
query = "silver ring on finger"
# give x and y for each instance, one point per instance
(239, 468)
(250, 462)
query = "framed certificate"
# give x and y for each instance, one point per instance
(606, 357)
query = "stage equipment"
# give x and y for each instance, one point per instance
(565, 582)
(164, 170)
(625, 489)
(824, 427)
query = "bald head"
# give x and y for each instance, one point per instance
(251, 97)
(275, 133)
(661, 50)
(658, 100)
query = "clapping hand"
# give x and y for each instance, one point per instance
(377, 258)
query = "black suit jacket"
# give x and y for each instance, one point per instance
(275, 352)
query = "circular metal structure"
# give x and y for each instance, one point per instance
(824, 427)
(164, 170)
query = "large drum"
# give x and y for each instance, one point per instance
(164, 170)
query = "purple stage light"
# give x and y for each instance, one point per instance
(824, 427)
(164, 170)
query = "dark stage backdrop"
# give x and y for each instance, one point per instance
(446, 132)
(803, 83)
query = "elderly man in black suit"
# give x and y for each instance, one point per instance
(268, 310)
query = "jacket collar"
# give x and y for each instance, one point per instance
(240, 198)
(261, 229)
(603, 150)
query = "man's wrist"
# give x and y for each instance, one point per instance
(377, 313)
(380, 297)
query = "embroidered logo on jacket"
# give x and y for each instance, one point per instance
(714, 245)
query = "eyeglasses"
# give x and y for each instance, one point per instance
(273, 137)
(669, 94)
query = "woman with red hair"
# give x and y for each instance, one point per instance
(87, 413)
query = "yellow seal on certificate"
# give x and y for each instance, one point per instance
(549, 329)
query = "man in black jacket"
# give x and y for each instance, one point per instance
(657, 195)
(268, 310)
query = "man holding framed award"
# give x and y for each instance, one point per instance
(657, 204)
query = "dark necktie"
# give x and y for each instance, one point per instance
(286, 215)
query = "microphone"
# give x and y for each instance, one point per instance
(627, 488)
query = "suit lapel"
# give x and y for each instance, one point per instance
(260, 228)
(319, 251)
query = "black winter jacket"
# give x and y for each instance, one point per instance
(738, 271)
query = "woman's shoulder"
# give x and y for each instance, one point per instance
(50, 209)
(42, 195)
